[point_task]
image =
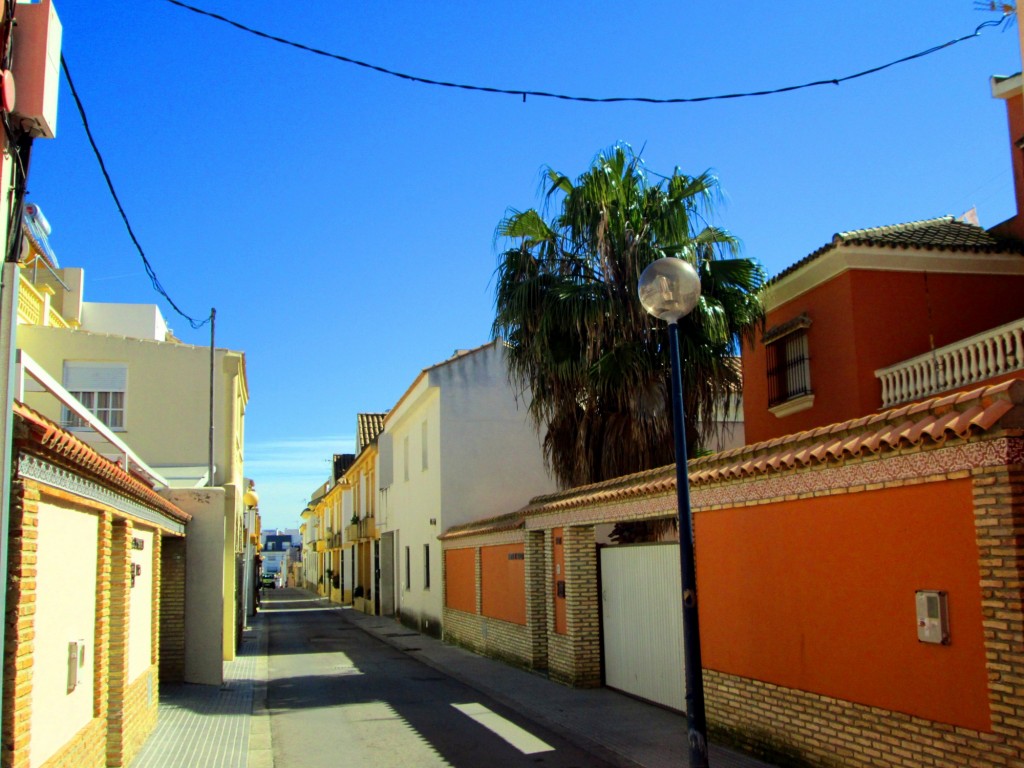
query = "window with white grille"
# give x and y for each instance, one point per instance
(100, 387)
(789, 361)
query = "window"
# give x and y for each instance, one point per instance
(789, 361)
(423, 443)
(426, 566)
(405, 456)
(100, 387)
(408, 570)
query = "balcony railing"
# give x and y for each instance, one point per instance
(34, 305)
(984, 356)
(367, 528)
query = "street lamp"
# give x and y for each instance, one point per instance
(669, 289)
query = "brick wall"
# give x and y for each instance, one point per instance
(123, 714)
(575, 658)
(536, 600)
(793, 727)
(120, 621)
(491, 637)
(521, 643)
(172, 610)
(139, 713)
(88, 747)
(19, 626)
(86, 750)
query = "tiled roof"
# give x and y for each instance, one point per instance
(958, 415)
(36, 434)
(944, 233)
(507, 522)
(369, 425)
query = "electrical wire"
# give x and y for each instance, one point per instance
(589, 99)
(120, 209)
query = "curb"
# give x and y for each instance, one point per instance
(261, 739)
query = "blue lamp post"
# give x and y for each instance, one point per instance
(669, 289)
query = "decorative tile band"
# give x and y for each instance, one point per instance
(34, 468)
(801, 482)
(517, 536)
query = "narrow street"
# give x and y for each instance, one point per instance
(336, 694)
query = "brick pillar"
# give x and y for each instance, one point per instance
(536, 599)
(999, 526)
(120, 622)
(19, 626)
(157, 586)
(583, 622)
(101, 650)
(172, 610)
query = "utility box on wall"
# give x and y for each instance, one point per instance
(36, 67)
(932, 617)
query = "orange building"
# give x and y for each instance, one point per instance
(888, 315)
(882, 316)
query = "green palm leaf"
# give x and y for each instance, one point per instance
(592, 364)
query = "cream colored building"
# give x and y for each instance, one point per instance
(360, 572)
(124, 364)
(458, 446)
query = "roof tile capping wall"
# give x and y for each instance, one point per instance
(987, 410)
(942, 233)
(36, 434)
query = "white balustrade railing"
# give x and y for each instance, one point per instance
(984, 356)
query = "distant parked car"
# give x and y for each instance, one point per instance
(269, 580)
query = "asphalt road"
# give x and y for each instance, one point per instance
(340, 697)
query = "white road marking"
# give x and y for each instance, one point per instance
(522, 740)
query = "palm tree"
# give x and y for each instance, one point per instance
(594, 363)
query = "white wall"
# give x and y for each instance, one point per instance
(65, 611)
(492, 461)
(412, 504)
(140, 631)
(483, 458)
(137, 321)
(205, 570)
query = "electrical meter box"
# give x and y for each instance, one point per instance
(932, 617)
(76, 662)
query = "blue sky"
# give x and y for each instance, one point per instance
(342, 222)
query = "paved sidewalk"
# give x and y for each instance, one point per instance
(216, 727)
(229, 726)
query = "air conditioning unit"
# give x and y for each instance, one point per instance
(36, 67)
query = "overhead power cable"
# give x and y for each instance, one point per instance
(120, 208)
(523, 93)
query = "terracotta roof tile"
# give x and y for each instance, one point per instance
(943, 233)
(38, 435)
(936, 419)
(368, 427)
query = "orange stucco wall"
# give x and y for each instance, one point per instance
(788, 596)
(863, 320)
(460, 579)
(503, 583)
(1015, 121)
(557, 575)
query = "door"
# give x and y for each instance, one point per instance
(386, 573)
(642, 620)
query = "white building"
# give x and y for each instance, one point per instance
(458, 446)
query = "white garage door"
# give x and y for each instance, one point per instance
(642, 615)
